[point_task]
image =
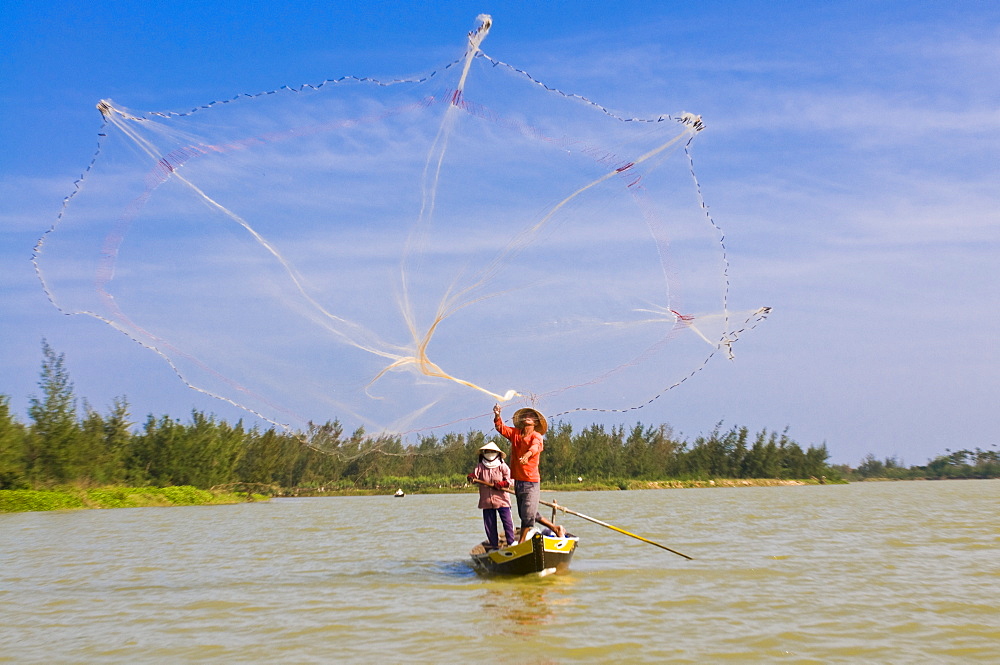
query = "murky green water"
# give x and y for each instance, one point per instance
(866, 573)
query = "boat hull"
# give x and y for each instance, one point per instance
(541, 555)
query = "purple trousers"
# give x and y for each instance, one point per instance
(490, 522)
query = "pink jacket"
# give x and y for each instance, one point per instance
(489, 497)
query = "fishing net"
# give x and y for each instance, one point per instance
(399, 255)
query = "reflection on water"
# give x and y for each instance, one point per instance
(871, 572)
(524, 607)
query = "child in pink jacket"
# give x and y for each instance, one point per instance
(492, 500)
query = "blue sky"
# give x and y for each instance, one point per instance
(851, 155)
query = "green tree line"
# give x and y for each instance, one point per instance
(64, 444)
(960, 464)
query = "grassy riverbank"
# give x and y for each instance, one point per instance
(452, 485)
(629, 484)
(75, 498)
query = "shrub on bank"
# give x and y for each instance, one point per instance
(20, 501)
(71, 498)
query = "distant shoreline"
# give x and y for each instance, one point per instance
(73, 498)
(557, 487)
(76, 498)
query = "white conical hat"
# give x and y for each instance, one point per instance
(493, 446)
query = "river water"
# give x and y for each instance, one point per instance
(904, 572)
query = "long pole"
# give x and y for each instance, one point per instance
(556, 506)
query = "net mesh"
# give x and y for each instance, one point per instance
(399, 255)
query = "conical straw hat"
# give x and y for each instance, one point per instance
(493, 446)
(541, 425)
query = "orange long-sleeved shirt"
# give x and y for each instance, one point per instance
(519, 445)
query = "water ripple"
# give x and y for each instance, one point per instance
(872, 572)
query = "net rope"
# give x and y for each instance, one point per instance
(477, 190)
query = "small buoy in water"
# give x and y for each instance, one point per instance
(399, 492)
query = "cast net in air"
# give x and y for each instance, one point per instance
(399, 255)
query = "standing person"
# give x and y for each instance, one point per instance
(492, 500)
(526, 451)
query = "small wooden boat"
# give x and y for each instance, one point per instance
(399, 493)
(540, 555)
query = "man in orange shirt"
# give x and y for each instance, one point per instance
(526, 450)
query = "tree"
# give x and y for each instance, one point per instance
(559, 459)
(816, 458)
(595, 452)
(638, 458)
(666, 452)
(150, 455)
(12, 448)
(52, 455)
(763, 460)
(871, 467)
(718, 455)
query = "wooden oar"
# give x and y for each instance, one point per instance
(589, 519)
